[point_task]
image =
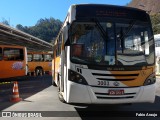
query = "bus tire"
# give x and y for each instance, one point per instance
(60, 96)
(53, 83)
(128, 104)
(58, 85)
(39, 71)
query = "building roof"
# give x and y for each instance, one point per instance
(12, 36)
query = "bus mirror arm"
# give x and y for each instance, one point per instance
(68, 24)
(67, 43)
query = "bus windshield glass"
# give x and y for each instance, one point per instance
(112, 43)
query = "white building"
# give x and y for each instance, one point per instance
(157, 44)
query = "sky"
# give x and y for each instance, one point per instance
(28, 12)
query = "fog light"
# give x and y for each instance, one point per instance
(76, 77)
(80, 80)
(150, 80)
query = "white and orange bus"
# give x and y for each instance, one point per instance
(12, 61)
(105, 54)
(39, 63)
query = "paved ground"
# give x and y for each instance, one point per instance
(28, 86)
(39, 95)
(158, 86)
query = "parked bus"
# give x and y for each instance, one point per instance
(39, 63)
(105, 54)
(12, 61)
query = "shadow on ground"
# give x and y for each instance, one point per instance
(28, 86)
(127, 112)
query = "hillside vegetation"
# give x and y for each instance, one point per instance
(48, 28)
(153, 8)
(45, 29)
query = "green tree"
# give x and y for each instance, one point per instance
(155, 19)
(45, 29)
(6, 22)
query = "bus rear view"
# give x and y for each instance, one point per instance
(109, 56)
(12, 61)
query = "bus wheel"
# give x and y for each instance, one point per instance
(60, 96)
(39, 71)
(53, 83)
(58, 85)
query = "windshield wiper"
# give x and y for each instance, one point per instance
(123, 35)
(99, 26)
(80, 60)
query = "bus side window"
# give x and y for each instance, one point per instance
(30, 58)
(0, 53)
(47, 58)
(12, 54)
(36, 57)
(21, 56)
(41, 58)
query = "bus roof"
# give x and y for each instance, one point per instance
(107, 5)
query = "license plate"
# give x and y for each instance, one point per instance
(116, 92)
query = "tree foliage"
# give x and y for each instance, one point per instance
(45, 29)
(4, 21)
(155, 19)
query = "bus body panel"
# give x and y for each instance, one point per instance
(57, 68)
(77, 93)
(12, 68)
(53, 67)
(97, 91)
(26, 61)
(45, 65)
(9, 70)
(125, 78)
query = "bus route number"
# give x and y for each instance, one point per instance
(103, 83)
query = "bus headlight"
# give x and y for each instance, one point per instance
(76, 77)
(150, 80)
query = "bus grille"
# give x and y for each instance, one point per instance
(107, 96)
(121, 77)
(101, 91)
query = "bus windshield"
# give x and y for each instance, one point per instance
(112, 43)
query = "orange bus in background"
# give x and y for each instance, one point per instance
(12, 61)
(39, 63)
